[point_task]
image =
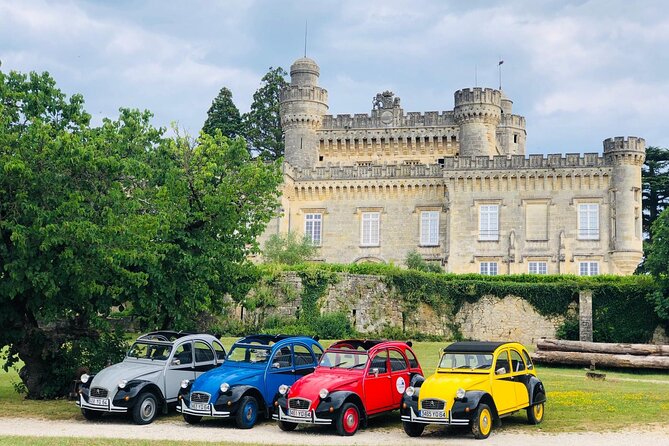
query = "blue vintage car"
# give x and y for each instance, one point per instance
(244, 386)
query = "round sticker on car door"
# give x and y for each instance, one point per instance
(400, 385)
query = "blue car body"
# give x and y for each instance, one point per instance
(252, 373)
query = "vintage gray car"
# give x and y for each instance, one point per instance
(149, 377)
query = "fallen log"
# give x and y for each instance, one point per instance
(601, 360)
(602, 347)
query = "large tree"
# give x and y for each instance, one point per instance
(262, 122)
(657, 262)
(223, 115)
(94, 217)
(655, 174)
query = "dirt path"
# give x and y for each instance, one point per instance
(269, 433)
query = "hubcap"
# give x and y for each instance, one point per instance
(350, 420)
(485, 422)
(147, 409)
(249, 412)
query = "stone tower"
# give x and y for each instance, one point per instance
(478, 113)
(302, 106)
(626, 157)
(511, 133)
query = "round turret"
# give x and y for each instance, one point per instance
(621, 150)
(506, 104)
(302, 106)
(304, 72)
(478, 112)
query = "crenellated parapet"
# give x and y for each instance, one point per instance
(367, 121)
(621, 150)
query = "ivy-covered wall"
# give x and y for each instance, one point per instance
(410, 300)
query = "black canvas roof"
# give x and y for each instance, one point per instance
(474, 346)
(355, 344)
(264, 339)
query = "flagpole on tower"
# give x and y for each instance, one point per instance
(306, 27)
(499, 67)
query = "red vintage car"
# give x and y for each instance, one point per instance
(354, 380)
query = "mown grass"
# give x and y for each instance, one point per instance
(575, 403)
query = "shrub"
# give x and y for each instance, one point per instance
(332, 326)
(288, 248)
(415, 261)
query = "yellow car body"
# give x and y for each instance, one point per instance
(475, 384)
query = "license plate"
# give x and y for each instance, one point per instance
(298, 413)
(98, 401)
(432, 413)
(199, 406)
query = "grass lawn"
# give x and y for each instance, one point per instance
(623, 400)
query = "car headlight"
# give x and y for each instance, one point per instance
(122, 383)
(410, 391)
(323, 393)
(84, 378)
(460, 393)
(283, 389)
(224, 387)
(185, 383)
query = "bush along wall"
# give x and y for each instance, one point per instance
(623, 306)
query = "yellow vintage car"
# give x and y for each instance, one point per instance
(476, 384)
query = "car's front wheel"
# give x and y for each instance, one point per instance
(247, 414)
(91, 415)
(482, 422)
(192, 419)
(535, 414)
(287, 426)
(348, 420)
(413, 429)
(146, 408)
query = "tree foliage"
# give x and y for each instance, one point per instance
(263, 123)
(224, 115)
(655, 179)
(415, 261)
(288, 248)
(657, 262)
(94, 217)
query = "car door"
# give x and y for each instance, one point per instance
(503, 386)
(520, 378)
(205, 358)
(399, 375)
(280, 371)
(180, 366)
(303, 360)
(376, 384)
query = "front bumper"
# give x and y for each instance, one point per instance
(109, 407)
(313, 419)
(212, 412)
(412, 417)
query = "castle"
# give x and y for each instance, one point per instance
(455, 186)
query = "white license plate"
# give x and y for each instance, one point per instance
(432, 413)
(298, 413)
(199, 406)
(98, 401)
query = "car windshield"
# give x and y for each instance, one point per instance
(150, 350)
(344, 360)
(467, 361)
(252, 354)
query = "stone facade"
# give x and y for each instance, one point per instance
(455, 185)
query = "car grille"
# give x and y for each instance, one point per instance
(298, 403)
(432, 404)
(99, 392)
(199, 397)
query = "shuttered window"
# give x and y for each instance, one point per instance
(536, 221)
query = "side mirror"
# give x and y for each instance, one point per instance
(276, 365)
(530, 366)
(175, 362)
(500, 371)
(374, 371)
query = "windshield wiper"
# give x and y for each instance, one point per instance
(358, 365)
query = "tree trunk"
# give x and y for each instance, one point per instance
(601, 360)
(601, 347)
(33, 350)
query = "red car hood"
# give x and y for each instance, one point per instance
(308, 387)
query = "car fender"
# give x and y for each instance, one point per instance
(417, 381)
(133, 388)
(338, 398)
(537, 391)
(471, 401)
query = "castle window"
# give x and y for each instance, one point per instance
(489, 222)
(488, 268)
(588, 221)
(429, 228)
(537, 267)
(313, 228)
(515, 139)
(588, 268)
(369, 232)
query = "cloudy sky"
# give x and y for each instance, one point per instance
(580, 71)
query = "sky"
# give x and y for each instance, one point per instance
(579, 71)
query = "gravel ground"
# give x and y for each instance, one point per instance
(269, 433)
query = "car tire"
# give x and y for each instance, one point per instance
(348, 419)
(482, 422)
(247, 413)
(145, 409)
(287, 426)
(192, 419)
(413, 429)
(92, 415)
(535, 413)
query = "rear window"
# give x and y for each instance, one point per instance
(413, 362)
